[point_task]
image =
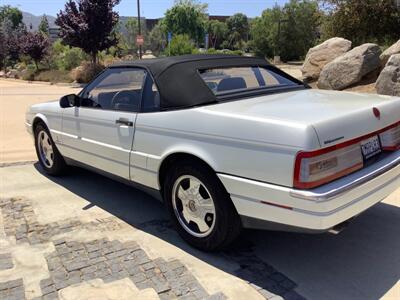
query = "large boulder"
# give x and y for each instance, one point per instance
(13, 73)
(322, 54)
(388, 82)
(349, 68)
(394, 49)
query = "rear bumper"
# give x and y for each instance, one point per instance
(314, 210)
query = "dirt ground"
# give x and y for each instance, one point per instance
(16, 97)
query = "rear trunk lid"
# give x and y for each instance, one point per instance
(335, 116)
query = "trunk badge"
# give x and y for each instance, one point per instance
(377, 113)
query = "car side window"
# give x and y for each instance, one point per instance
(115, 89)
(151, 96)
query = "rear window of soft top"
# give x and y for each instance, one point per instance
(239, 79)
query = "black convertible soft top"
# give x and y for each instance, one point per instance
(178, 80)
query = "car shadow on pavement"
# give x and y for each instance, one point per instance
(362, 262)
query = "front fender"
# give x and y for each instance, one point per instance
(40, 117)
(53, 125)
(31, 121)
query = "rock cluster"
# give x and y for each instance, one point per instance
(334, 65)
(323, 54)
(394, 49)
(349, 68)
(388, 82)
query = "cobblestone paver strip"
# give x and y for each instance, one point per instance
(6, 261)
(74, 262)
(12, 290)
(20, 221)
(264, 278)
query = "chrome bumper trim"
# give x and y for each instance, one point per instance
(332, 194)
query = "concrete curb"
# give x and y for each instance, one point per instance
(65, 84)
(17, 163)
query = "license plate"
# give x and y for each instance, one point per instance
(371, 147)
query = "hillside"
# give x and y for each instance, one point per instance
(33, 20)
(29, 19)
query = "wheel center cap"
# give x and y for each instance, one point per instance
(192, 205)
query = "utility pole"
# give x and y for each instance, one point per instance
(139, 27)
(277, 48)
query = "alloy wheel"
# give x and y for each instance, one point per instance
(193, 206)
(45, 147)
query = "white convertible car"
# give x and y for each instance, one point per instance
(228, 142)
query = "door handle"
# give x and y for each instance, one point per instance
(124, 122)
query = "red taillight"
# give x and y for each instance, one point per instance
(321, 166)
(390, 138)
(315, 168)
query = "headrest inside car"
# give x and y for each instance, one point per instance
(233, 83)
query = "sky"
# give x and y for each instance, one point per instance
(151, 8)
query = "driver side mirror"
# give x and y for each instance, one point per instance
(69, 101)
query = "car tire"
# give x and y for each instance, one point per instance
(209, 203)
(48, 155)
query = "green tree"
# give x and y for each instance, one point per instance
(3, 50)
(238, 28)
(217, 30)
(44, 25)
(187, 17)
(287, 31)
(132, 30)
(362, 21)
(264, 32)
(156, 40)
(66, 58)
(11, 13)
(300, 29)
(181, 44)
